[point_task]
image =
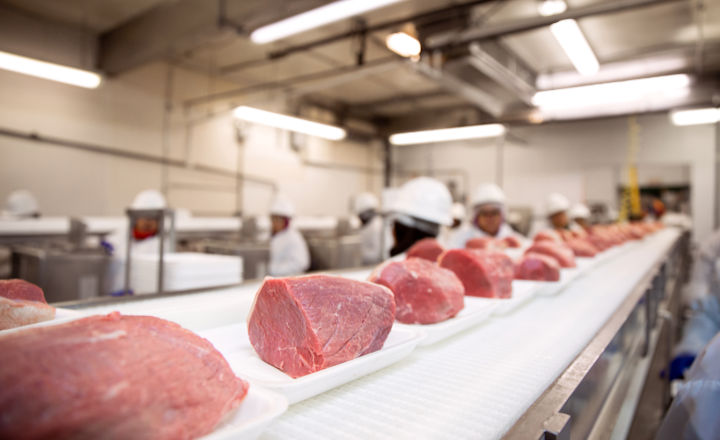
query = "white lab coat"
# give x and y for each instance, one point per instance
(705, 278)
(467, 232)
(371, 238)
(450, 238)
(289, 253)
(694, 411)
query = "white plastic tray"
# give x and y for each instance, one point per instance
(476, 311)
(61, 315)
(233, 343)
(247, 422)
(522, 292)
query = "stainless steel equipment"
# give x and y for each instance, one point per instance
(158, 215)
(255, 256)
(334, 248)
(335, 252)
(63, 274)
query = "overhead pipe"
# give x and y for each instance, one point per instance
(454, 9)
(147, 158)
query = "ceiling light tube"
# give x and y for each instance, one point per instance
(403, 44)
(573, 42)
(448, 134)
(290, 123)
(315, 18)
(612, 93)
(551, 7)
(695, 116)
(51, 71)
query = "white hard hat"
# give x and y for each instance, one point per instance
(365, 201)
(149, 199)
(425, 198)
(21, 203)
(488, 193)
(282, 207)
(555, 203)
(458, 211)
(579, 210)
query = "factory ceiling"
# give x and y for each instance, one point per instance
(482, 60)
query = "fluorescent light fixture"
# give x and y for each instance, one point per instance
(617, 71)
(551, 7)
(448, 134)
(315, 18)
(403, 44)
(51, 71)
(573, 42)
(696, 116)
(285, 122)
(614, 92)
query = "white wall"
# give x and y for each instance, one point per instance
(127, 114)
(586, 161)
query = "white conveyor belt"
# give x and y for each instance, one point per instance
(478, 383)
(474, 385)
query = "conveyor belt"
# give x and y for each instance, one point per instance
(478, 383)
(474, 385)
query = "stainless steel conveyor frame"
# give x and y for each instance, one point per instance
(631, 334)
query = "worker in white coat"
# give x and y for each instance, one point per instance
(449, 235)
(145, 238)
(556, 210)
(366, 208)
(705, 278)
(694, 411)
(421, 208)
(579, 217)
(488, 217)
(21, 204)
(703, 298)
(289, 253)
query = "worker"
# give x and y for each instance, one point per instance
(289, 253)
(703, 298)
(145, 238)
(371, 227)
(579, 217)
(556, 208)
(449, 235)
(488, 220)
(21, 204)
(694, 411)
(701, 327)
(705, 278)
(422, 207)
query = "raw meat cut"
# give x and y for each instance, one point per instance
(425, 293)
(113, 377)
(304, 324)
(559, 251)
(427, 248)
(512, 242)
(481, 243)
(582, 248)
(18, 312)
(21, 289)
(483, 273)
(537, 267)
(22, 303)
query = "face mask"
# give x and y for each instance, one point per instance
(142, 235)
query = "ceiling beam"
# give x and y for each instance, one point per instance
(179, 26)
(516, 26)
(291, 83)
(460, 88)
